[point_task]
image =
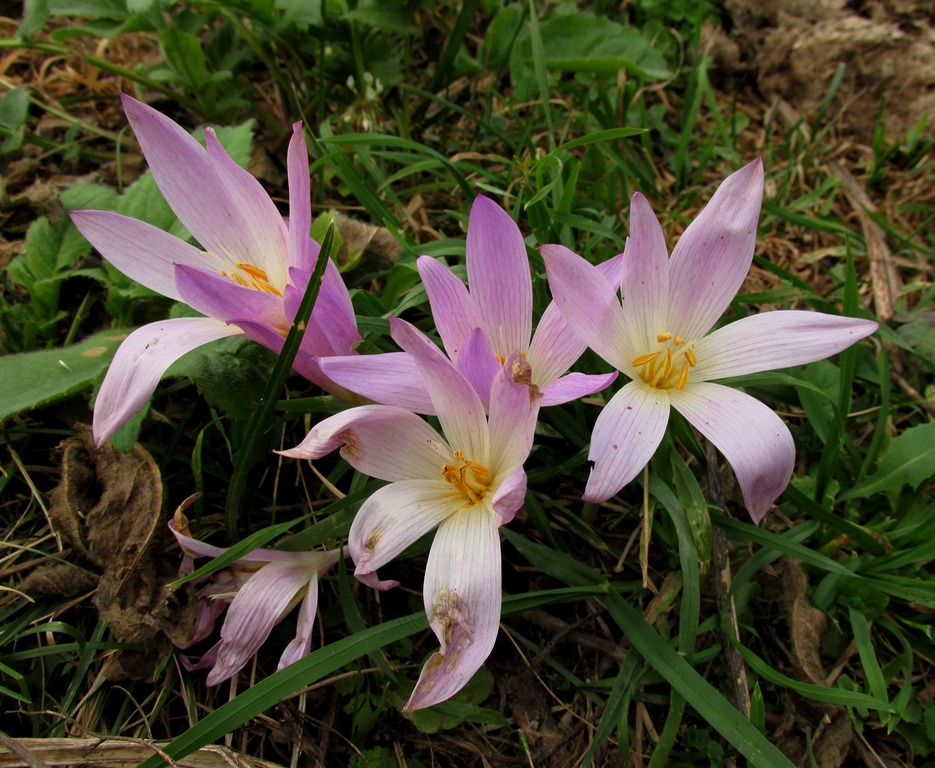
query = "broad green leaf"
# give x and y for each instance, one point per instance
(184, 54)
(13, 109)
(33, 379)
(910, 461)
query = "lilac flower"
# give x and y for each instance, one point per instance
(248, 280)
(658, 338)
(498, 300)
(261, 588)
(467, 484)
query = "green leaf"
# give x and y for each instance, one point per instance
(34, 379)
(14, 107)
(184, 54)
(911, 459)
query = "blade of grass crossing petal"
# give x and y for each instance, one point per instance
(614, 716)
(247, 456)
(706, 700)
(868, 658)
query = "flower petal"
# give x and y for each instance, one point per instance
(141, 361)
(303, 251)
(645, 281)
(753, 439)
(612, 270)
(396, 516)
(509, 496)
(554, 348)
(141, 251)
(773, 340)
(626, 435)
(299, 646)
(222, 299)
(478, 364)
(514, 408)
(462, 600)
(453, 309)
(712, 258)
(333, 314)
(498, 276)
(458, 406)
(390, 378)
(589, 304)
(255, 610)
(379, 440)
(575, 385)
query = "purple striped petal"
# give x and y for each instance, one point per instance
(140, 362)
(223, 299)
(711, 259)
(555, 347)
(478, 365)
(453, 309)
(509, 496)
(626, 435)
(514, 408)
(753, 439)
(575, 385)
(772, 340)
(300, 645)
(302, 249)
(391, 378)
(645, 283)
(498, 276)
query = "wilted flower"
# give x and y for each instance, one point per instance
(657, 338)
(260, 588)
(249, 279)
(467, 484)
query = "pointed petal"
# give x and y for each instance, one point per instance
(462, 600)
(458, 406)
(509, 496)
(612, 271)
(141, 361)
(498, 276)
(514, 408)
(773, 340)
(302, 249)
(255, 610)
(712, 258)
(453, 309)
(332, 329)
(645, 283)
(753, 439)
(555, 347)
(396, 516)
(478, 364)
(299, 646)
(223, 299)
(379, 440)
(260, 236)
(626, 435)
(194, 547)
(390, 378)
(141, 251)
(589, 304)
(575, 385)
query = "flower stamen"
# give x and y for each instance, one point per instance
(669, 367)
(467, 477)
(258, 279)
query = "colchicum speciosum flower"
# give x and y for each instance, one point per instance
(258, 590)
(466, 484)
(248, 280)
(659, 338)
(497, 300)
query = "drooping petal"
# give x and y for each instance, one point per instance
(260, 236)
(509, 496)
(299, 646)
(222, 299)
(712, 258)
(379, 440)
(458, 406)
(575, 385)
(141, 251)
(478, 364)
(391, 378)
(626, 435)
(554, 347)
(302, 250)
(513, 411)
(194, 547)
(589, 304)
(753, 439)
(462, 600)
(498, 276)
(396, 516)
(255, 610)
(773, 340)
(645, 283)
(141, 361)
(453, 309)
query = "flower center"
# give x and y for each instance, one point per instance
(668, 366)
(467, 477)
(251, 276)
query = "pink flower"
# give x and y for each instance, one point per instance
(261, 588)
(466, 484)
(659, 338)
(248, 280)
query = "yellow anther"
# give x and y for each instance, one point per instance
(683, 377)
(239, 280)
(663, 337)
(467, 477)
(667, 363)
(678, 341)
(647, 358)
(669, 366)
(254, 271)
(691, 357)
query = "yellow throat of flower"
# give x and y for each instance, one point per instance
(667, 367)
(251, 276)
(467, 477)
